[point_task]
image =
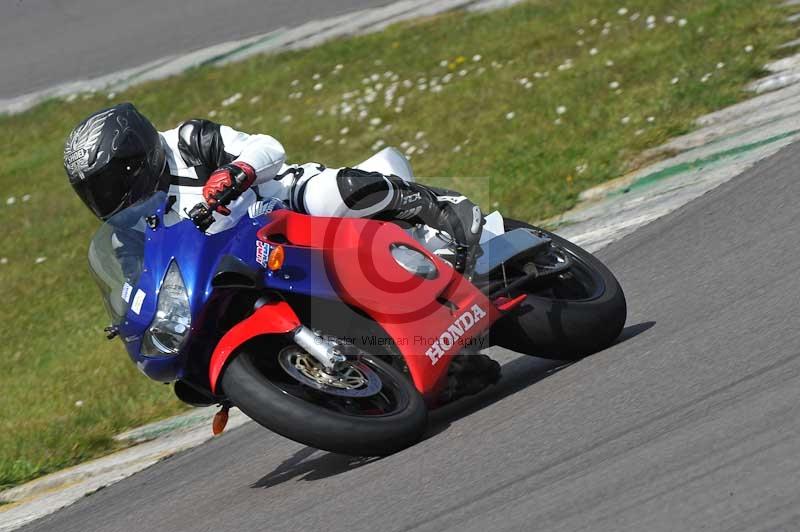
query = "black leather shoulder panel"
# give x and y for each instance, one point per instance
(200, 144)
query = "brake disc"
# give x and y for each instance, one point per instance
(351, 378)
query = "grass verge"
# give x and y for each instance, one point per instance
(537, 102)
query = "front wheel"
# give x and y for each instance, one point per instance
(573, 315)
(365, 408)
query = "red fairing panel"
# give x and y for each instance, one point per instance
(430, 321)
(429, 343)
(273, 318)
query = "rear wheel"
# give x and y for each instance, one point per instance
(571, 315)
(364, 408)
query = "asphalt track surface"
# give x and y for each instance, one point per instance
(691, 422)
(47, 42)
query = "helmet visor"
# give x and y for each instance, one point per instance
(120, 183)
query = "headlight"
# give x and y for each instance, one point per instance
(414, 261)
(170, 328)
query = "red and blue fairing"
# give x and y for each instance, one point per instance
(328, 261)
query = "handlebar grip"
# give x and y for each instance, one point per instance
(227, 196)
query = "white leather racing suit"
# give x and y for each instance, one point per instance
(198, 147)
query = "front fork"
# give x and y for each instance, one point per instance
(324, 351)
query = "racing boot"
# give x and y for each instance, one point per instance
(389, 197)
(462, 220)
(470, 373)
(451, 213)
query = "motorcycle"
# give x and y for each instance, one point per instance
(340, 333)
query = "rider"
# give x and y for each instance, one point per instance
(116, 157)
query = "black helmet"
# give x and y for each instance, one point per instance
(114, 158)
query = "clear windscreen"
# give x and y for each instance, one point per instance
(116, 254)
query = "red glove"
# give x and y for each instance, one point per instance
(226, 184)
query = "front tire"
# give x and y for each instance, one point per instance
(565, 328)
(259, 389)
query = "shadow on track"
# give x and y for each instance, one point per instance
(326, 465)
(517, 375)
(634, 330)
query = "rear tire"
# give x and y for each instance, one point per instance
(264, 400)
(565, 329)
